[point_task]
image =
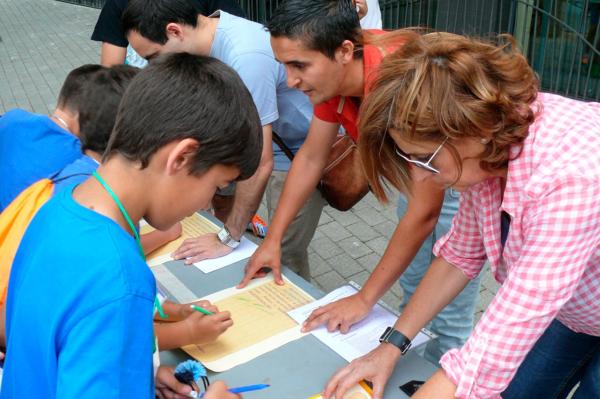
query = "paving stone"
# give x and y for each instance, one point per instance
(318, 265)
(344, 218)
(354, 247)
(360, 278)
(392, 300)
(345, 265)
(368, 262)
(335, 231)
(325, 247)
(378, 245)
(330, 281)
(386, 228)
(363, 231)
(325, 218)
(371, 216)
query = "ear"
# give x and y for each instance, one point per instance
(180, 158)
(345, 53)
(174, 31)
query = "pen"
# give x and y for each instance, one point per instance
(243, 389)
(201, 310)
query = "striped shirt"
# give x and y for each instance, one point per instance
(550, 265)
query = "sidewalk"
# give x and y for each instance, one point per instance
(42, 40)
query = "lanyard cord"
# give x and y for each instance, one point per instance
(110, 192)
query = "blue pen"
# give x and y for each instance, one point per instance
(246, 388)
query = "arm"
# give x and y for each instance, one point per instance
(439, 286)
(196, 328)
(247, 198)
(157, 238)
(560, 233)
(441, 282)
(304, 174)
(248, 193)
(424, 207)
(111, 54)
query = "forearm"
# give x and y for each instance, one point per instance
(153, 240)
(402, 248)
(112, 55)
(440, 285)
(301, 181)
(421, 216)
(248, 194)
(170, 335)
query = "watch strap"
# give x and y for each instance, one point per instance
(396, 338)
(227, 239)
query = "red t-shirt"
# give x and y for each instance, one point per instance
(344, 110)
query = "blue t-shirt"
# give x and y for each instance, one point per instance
(32, 147)
(74, 173)
(246, 47)
(79, 309)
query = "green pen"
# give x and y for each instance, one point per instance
(201, 310)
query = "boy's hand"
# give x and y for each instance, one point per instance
(207, 246)
(179, 311)
(167, 386)
(268, 255)
(218, 390)
(202, 329)
(341, 314)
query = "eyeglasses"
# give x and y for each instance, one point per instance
(426, 165)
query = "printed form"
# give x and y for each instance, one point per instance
(363, 336)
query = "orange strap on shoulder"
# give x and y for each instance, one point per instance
(14, 221)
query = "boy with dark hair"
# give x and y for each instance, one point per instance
(162, 26)
(84, 329)
(115, 47)
(329, 58)
(33, 147)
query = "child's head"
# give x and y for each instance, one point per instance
(191, 120)
(99, 104)
(71, 92)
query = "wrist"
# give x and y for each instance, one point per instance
(367, 296)
(227, 238)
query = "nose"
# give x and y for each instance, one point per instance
(419, 174)
(292, 80)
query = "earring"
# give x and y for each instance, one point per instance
(484, 141)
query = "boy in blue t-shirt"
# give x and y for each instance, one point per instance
(33, 147)
(80, 300)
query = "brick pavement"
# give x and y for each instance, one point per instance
(42, 40)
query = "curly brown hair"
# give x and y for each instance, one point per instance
(439, 86)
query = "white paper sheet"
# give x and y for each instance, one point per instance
(363, 337)
(243, 251)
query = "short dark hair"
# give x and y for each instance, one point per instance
(72, 89)
(322, 25)
(99, 104)
(150, 17)
(181, 96)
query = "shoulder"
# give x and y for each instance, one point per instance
(241, 38)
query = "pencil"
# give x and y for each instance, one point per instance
(201, 310)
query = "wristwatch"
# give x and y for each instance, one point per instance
(396, 338)
(227, 239)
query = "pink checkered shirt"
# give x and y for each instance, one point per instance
(550, 266)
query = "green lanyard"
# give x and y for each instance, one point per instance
(157, 304)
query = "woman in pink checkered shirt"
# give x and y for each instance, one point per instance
(468, 114)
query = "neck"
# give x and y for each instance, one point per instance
(205, 34)
(94, 155)
(66, 120)
(354, 80)
(128, 182)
